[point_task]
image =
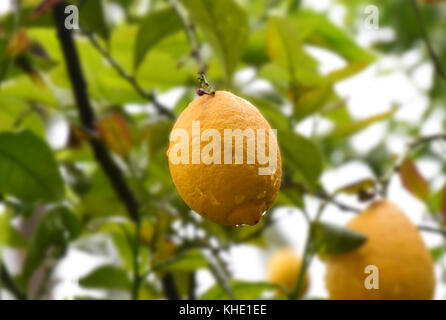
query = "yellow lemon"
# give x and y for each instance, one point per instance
(224, 159)
(401, 265)
(283, 269)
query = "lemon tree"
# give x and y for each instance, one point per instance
(160, 137)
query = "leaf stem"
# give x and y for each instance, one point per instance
(306, 261)
(308, 254)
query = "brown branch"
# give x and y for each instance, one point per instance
(432, 54)
(169, 287)
(87, 116)
(101, 153)
(192, 286)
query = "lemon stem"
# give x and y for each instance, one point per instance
(206, 88)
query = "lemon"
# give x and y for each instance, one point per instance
(283, 269)
(395, 247)
(224, 182)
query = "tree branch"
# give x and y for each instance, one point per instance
(87, 116)
(192, 286)
(101, 153)
(432, 54)
(169, 287)
(150, 96)
(9, 283)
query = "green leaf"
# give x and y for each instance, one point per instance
(306, 89)
(93, 17)
(256, 53)
(16, 113)
(225, 26)
(23, 87)
(271, 112)
(310, 100)
(4, 229)
(325, 34)
(290, 197)
(332, 239)
(106, 277)
(53, 233)
(157, 135)
(9, 20)
(28, 169)
(114, 131)
(355, 127)
(15, 239)
(347, 71)
(301, 155)
(438, 252)
(100, 200)
(243, 290)
(189, 261)
(357, 187)
(122, 245)
(285, 48)
(156, 26)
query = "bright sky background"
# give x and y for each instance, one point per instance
(373, 91)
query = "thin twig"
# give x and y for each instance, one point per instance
(306, 261)
(322, 195)
(342, 206)
(385, 180)
(432, 54)
(191, 36)
(10, 284)
(308, 251)
(220, 276)
(433, 230)
(427, 139)
(150, 96)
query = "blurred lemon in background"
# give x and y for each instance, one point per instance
(395, 247)
(283, 269)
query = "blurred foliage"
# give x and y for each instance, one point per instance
(160, 47)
